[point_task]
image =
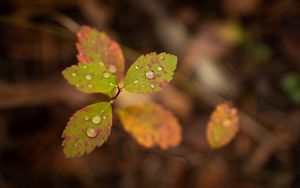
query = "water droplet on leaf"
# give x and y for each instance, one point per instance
(106, 75)
(86, 118)
(149, 74)
(90, 85)
(77, 85)
(88, 77)
(91, 132)
(101, 63)
(136, 81)
(84, 66)
(137, 67)
(74, 74)
(152, 86)
(104, 117)
(159, 68)
(96, 119)
(112, 68)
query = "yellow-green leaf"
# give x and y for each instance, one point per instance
(223, 125)
(151, 125)
(150, 73)
(91, 78)
(95, 46)
(87, 129)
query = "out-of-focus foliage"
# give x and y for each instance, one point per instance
(151, 125)
(290, 84)
(223, 125)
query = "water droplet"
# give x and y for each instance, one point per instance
(90, 85)
(152, 86)
(149, 74)
(84, 66)
(101, 63)
(112, 68)
(91, 132)
(136, 81)
(112, 84)
(91, 70)
(77, 85)
(137, 67)
(159, 68)
(104, 117)
(74, 74)
(88, 77)
(86, 118)
(106, 75)
(162, 57)
(96, 119)
(147, 67)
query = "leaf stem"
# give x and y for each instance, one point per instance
(117, 94)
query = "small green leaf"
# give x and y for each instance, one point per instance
(223, 125)
(95, 46)
(91, 78)
(150, 73)
(151, 125)
(87, 129)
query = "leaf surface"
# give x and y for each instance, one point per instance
(151, 125)
(91, 78)
(223, 125)
(95, 46)
(87, 129)
(150, 73)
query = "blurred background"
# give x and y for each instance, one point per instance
(246, 51)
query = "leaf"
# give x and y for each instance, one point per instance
(95, 46)
(91, 78)
(150, 73)
(151, 125)
(87, 129)
(223, 125)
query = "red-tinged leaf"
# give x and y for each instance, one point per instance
(150, 73)
(223, 125)
(87, 129)
(151, 125)
(95, 46)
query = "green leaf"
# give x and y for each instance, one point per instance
(150, 73)
(91, 78)
(223, 125)
(95, 46)
(87, 129)
(151, 125)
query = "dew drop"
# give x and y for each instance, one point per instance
(84, 66)
(149, 75)
(86, 118)
(104, 117)
(91, 132)
(162, 57)
(77, 85)
(159, 68)
(112, 68)
(101, 63)
(74, 74)
(88, 77)
(137, 67)
(106, 75)
(90, 85)
(96, 119)
(112, 84)
(152, 86)
(136, 81)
